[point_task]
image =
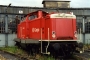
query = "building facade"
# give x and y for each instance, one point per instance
(15, 13)
(56, 3)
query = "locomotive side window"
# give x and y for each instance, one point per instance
(31, 17)
(23, 18)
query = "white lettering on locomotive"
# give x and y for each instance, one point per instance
(35, 30)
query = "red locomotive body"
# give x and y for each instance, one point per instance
(59, 28)
(48, 31)
(64, 28)
(18, 29)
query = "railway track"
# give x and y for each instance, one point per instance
(9, 56)
(77, 56)
(83, 56)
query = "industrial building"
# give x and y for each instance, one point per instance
(9, 15)
(56, 3)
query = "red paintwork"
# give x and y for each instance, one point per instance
(74, 27)
(64, 27)
(34, 24)
(23, 29)
(18, 29)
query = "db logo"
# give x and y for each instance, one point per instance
(35, 29)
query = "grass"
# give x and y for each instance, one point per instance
(77, 58)
(12, 49)
(46, 58)
(18, 51)
(87, 46)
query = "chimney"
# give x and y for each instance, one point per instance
(56, 3)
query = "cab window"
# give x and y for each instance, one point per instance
(31, 17)
(23, 18)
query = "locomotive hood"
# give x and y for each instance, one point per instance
(63, 26)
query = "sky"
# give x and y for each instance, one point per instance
(38, 3)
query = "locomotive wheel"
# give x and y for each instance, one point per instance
(17, 44)
(33, 49)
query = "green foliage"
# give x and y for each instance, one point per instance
(18, 51)
(12, 49)
(89, 58)
(46, 58)
(87, 46)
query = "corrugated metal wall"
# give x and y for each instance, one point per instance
(10, 40)
(87, 38)
(2, 40)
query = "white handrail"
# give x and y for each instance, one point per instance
(48, 40)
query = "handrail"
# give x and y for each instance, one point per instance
(41, 40)
(48, 41)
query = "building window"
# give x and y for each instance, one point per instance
(2, 25)
(32, 17)
(10, 10)
(0, 9)
(3, 9)
(13, 22)
(87, 25)
(19, 10)
(79, 25)
(15, 10)
(26, 11)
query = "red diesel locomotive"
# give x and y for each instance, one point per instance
(46, 33)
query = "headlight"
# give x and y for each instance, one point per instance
(75, 34)
(53, 34)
